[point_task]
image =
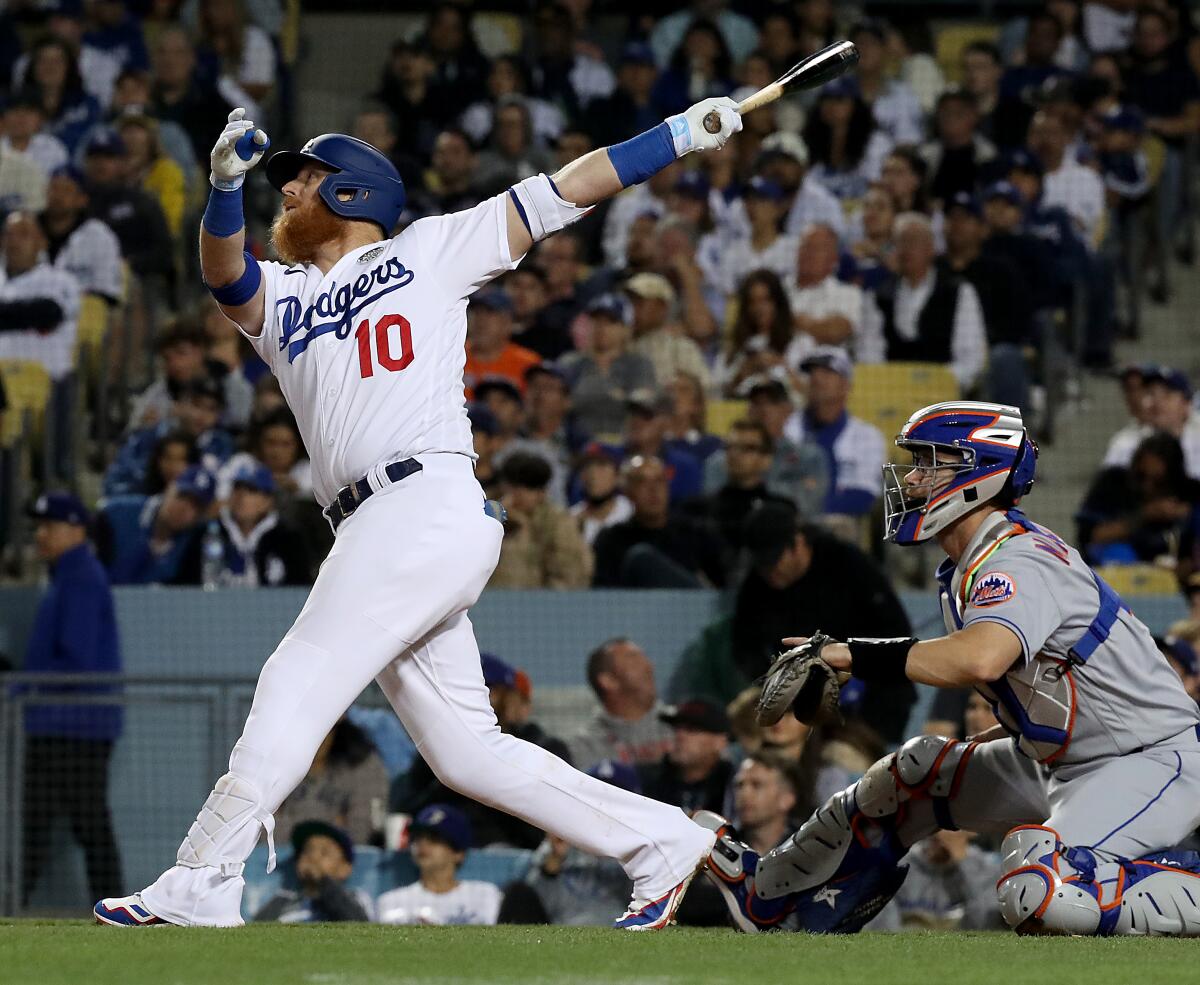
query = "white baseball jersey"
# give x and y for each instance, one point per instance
(56, 349)
(470, 902)
(92, 254)
(370, 356)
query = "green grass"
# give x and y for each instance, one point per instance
(74, 953)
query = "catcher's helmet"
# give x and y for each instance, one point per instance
(371, 180)
(983, 448)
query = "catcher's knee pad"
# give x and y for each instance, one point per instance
(226, 829)
(926, 767)
(1034, 898)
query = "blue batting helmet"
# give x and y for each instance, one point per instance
(965, 453)
(371, 182)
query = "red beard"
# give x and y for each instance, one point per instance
(299, 233)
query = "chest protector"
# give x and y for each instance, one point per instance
(1036, 701)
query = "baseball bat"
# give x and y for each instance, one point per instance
(808, 73)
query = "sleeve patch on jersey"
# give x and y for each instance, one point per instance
(992, 589)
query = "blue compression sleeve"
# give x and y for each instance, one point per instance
(241, 290)
(645, 155)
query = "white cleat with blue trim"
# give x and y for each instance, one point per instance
(126, 911)
(654, 914)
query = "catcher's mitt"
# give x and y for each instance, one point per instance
(800, 680)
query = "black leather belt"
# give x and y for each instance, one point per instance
(351, 497)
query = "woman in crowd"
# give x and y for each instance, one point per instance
(701, 67)
(870, 237)
(156, 173)
(172, 453)
(761, 333)
(510, 77)
(53, 73)
(845, 146)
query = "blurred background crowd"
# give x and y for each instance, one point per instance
(696, 386)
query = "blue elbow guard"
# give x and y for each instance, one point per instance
(645, 155)
(223, 216)
(241, 290)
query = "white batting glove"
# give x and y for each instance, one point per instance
(240, 147)
(688, 130)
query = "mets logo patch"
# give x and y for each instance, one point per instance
(992, 589)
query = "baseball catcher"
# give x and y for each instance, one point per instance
(1093, 773)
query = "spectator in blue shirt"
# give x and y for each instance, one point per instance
(68, 747)
(167, 528)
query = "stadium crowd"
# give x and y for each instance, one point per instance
(662, 395)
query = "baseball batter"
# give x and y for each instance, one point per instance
(1094, 771)
(366, 335)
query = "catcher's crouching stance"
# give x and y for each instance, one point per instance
(1094, 772)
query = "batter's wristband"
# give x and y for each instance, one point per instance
(223, 217)
(880, 660)
(643, 156)
(241, 290)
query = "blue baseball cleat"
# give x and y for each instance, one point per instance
(126, 911)
(731, 867)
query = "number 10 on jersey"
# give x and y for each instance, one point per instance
(383, 345)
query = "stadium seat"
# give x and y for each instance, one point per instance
(886, 394)
(1139, 579)
(951, 39)
(721, 414)
(28, 387)
(93, 327)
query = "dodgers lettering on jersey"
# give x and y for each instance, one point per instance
(370, 355)
(1061, 710)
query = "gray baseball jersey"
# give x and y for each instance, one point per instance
(1092, 683)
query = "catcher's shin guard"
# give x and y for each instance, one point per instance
(857, 828)
(1049, 888)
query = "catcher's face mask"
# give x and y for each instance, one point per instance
(910, 492)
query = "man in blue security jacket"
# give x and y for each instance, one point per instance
(68, 746)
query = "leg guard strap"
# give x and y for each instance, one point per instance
(233, 804)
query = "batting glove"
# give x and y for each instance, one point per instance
(240, 147)
(689, 134)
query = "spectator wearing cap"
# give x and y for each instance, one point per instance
(39, 305)
(167, 528)
(896, 110)
(324, 857)
(601, 504)
(798, 472)
(627, 728)
(1167, 396)
(845, 145)
(68, 747)
(923, 314)
(133, 215)
(491, 352)
(766, 246)
(825, 311)
(346, 785)
(510, 692)
(487, 441)
(274, 440)
(803, 578)
(547, 430)
(1160, 80)
(197, 411)
(1003, 297)
(184, 94)
(568, 887)
(542, 545)
(78, 244)
(604, 372)
(1036, 64)
(183, 360)
(748, 453)
(21, 132)
(1122, 156)
(1142, 512)
(669, 350)
(656, 548)
(695, 773)
(629, 110)
(1180, 647)
(784, 159)
(439, 840)
(959, 154)
(854, 450)
(647, 428)
(261, 549)
(1003, 208)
